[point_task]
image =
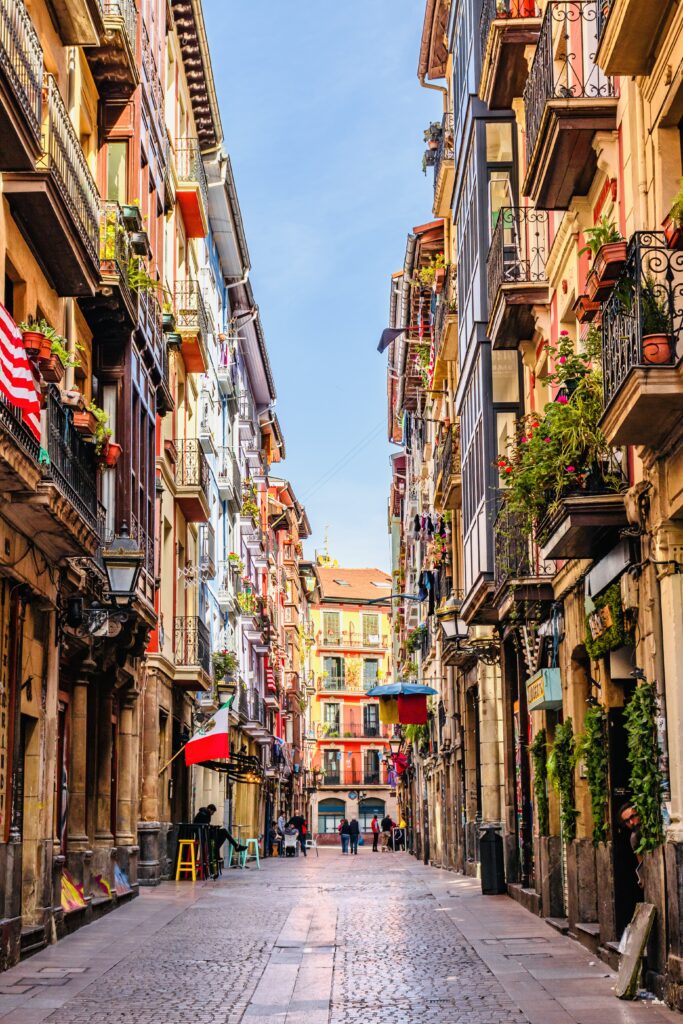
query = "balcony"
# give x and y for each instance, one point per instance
(642, 342)
(248, 420)
(113, 62)
(444, 169)
(58, 205)
(447, 471)
(79, 22)
(226, 374)
(191, 653)
(192, 481)
(256, 718)
(628, 32)
(567, 99)
(585, 522)
(208, 417)
(355, 730)
(154, 95)
(21, 88)
(207, 551)
(520, 574)
(225, 588)
(193, 324)
(228, 478)
(507, 28)
(446, 325)
(354, 777)
(113, 309)
(516, 274)
(352, 641)
(192, 190)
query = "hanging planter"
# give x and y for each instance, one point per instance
(132, 216)
(51, 369)
(85, 422)
(168, 322)
(609, 261)
(34, 342)
(72, 399)
(597, 289)
(139, 243)
(585, 309)
(110, 454)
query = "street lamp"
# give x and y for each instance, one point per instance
(225, 688)
(395, 745)
(123, 560)
(457, 632)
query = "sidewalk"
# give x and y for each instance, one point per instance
(327, 940)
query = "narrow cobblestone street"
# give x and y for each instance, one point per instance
(329, 939)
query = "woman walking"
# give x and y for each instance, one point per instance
(343, 830)
(354, 832)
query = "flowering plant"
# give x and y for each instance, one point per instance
(562, 449)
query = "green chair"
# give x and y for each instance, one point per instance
(246, 854)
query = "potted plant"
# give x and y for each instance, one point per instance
(84, 421)
(52, 368)
(139, 279)
(139, 243)
(132, 216)
(585, 310)
(167, 318)
(656, 323)
(224, 664)
(608, 248)
(32, 335)
(72, 399)
(432, 134)
(673, 224)
(110, 454)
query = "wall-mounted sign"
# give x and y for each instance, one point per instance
(544, 690)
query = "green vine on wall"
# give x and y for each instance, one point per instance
(561, 764)
(640, 717)
(618, 633)
(592, 749)
(539, 756)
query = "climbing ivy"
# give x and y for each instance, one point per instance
(561, 764)
(640, 716)
(592, 749)
(618, 634)
(539, 756)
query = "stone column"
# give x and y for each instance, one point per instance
(104, 840)
(125, 802)
(149, 867)
(78, 842)
(671, 591)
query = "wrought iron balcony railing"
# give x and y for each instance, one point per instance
(190, 167)
(152, 85)
(447, 461)
(344, 639)
(115, 251)
(190, 310)
(124, 11)
(352, 729)
(150, 323)
(564, 65)
(72, 463)
(519, 249)
(604, 9)
(445, 149)
(21, 60)
(192, 469)
(502, 10)
(517, 556)
(66, 162)
(642, 321)
(192, 643)
(12, 425)
(255, 707)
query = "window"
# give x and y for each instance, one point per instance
(370, 629)
(333, 673)
(367, 810)
(331, 719)
(117, 173)
(331, 765)
(331, 629)
(370, 673)
(371, 768)
(330, 814)
(371, 719)
(342, 583)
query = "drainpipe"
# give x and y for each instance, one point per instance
(437, 88)
(236, 284)
(642, 167)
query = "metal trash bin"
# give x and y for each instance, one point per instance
(492, 861)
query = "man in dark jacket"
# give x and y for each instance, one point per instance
(298, 822)
(354, 832)
(203, 817)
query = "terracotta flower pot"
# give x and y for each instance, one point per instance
(432, 143)
(51, 369)
(585, 310)
(111, 453)
(72, 399)
(674, 233)
(85, 422)
(33, 342)
(657, 349)
(609, 261)
(598, 289)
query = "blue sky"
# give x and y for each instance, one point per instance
(323, 118)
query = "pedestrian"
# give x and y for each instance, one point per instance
(203, 817)
(298, 822)
(274, 838)
(354, 832)
(374, 825)
(386, 826)
(281, 826)
(630, 818)
(343, 829)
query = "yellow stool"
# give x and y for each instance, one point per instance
(186, 848)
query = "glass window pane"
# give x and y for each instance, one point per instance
(499, 142)
(505, 377)
(500, 194)
(117, 178)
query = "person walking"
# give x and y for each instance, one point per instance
(387, 824)
(298, 822)
(343, 829)
(281, 826)
(374, 825)
(354, 832)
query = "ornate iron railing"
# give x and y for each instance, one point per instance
(21, 59)
(192, 469)
(72, 463)
(517, 556)
(192, 644)
(564, 65)
(12, 425)
(126, 12)
(604, 9)
(190, 167)
(115, 252)
(519, 248)
(66, 162)
(190, 310)
(646, 303)
(153, 89)
(502, 10)
(352, 641)
(255, 707)
(445, 149)
(447, 461)
(150, 323)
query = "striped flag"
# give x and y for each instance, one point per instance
(17, 376)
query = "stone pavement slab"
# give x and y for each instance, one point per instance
(326, 940)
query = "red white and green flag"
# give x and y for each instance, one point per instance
(212, 742)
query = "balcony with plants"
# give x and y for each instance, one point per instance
(447, 470)
(507, 28)
(567, 99)
(516, 274)
(562, 481)
(113, 309)
(113, 61)
(444, 168)
(642, 321)
(21, 96)
(627, 35)
(446, 321)
(58, 203)
(522, 578)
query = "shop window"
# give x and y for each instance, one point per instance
(367, 810)
(330, 814)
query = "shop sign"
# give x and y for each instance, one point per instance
(544, 690)
(600, 621)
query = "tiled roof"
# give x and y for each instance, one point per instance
(340, 584)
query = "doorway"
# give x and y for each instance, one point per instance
(627, 892)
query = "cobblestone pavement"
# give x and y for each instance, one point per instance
(327, 940)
